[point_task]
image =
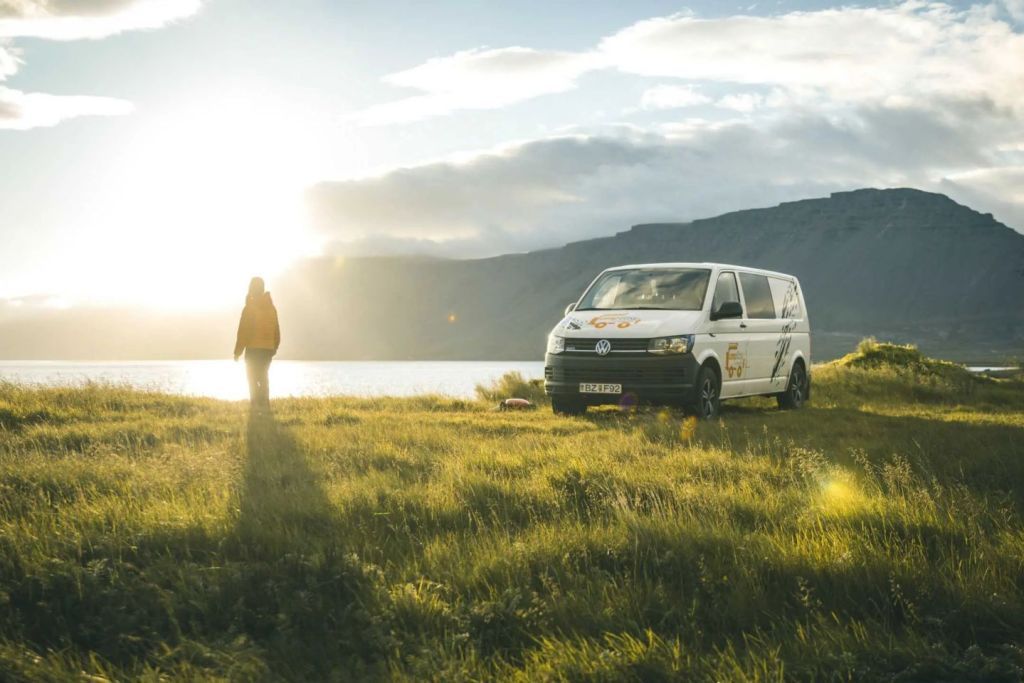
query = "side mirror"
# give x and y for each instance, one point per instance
(570, 308)
(728, 309)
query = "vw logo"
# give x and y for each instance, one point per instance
(603, 347)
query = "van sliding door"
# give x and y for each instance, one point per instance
(763, 329)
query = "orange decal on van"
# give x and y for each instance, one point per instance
(735, 362)
(620, 321)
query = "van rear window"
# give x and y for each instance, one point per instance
(758, 295)
(787, 301)
(677, 289)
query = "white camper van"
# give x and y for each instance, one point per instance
(687, 334)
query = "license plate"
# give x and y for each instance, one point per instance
(600, 388)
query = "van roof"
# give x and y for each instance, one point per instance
(726, 266)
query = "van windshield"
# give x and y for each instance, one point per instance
(676, 289)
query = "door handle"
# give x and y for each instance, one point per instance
(743, 325)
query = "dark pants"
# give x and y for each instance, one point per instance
(257, 365)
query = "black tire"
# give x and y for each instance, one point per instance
(567, 406)
(798, 389)
(707, 394)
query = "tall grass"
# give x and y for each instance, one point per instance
(512, 385)
(875, 535)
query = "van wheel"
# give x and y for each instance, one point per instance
(563, 406)
(707, 394)
(796, 392)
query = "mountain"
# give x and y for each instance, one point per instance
(899, 264)
(92, 333)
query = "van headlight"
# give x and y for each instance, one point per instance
(670, 345)
(556, 344)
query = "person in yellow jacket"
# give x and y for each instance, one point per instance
(259, 335)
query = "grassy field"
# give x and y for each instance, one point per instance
(875, 535)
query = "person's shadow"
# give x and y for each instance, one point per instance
(283, 508)
(293, 589)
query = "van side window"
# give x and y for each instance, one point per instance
(758, 295)
(787, 301)
(725, 290)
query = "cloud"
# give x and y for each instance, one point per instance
(71, 20)
(998, 190)
(918, 93)
(741, 102)
(672, 97)
(8, 61)
(500, 192)
(21, 111)
(477, 79)
(551, 191)
(78, 19)
(1015, 8)
(548, 192)
(849, 56)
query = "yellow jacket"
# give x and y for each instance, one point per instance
(258, 328)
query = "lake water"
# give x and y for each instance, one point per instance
(226, 379)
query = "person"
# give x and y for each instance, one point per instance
(259, 336)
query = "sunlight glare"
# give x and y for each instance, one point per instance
(840, 495)
(206, 198)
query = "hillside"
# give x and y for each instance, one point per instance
(900, 264)
(904, 265)
(874, 536)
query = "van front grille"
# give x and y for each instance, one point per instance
(586, 346)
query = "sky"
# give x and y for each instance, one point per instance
(157, 153)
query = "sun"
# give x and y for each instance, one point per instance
(201, 200)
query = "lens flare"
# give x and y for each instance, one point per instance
(688, 428)
(839, 494)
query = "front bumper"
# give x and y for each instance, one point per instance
(644, 379)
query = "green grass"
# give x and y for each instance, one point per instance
(875, 535)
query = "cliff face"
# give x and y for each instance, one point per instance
(901, 264)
